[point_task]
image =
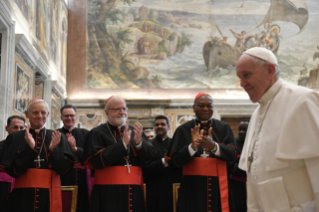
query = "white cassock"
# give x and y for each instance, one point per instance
(283, 134)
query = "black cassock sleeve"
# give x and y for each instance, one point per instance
(182, 138)
(102, 150)
(19, 156)
(63, 157)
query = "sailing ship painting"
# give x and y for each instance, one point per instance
(218, 53)
(173, 44)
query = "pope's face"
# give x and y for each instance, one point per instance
(254, 78)
(203, 108)
(68, 117)
(37, 114)
(116, 111)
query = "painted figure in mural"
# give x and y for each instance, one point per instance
(78, 174)
(117, 151)
(202, 147)
(237, 177)
(160, 173)
(239, 46)
(281, 146)
(14, 124)
(36, 157)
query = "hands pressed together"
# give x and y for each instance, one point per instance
(199, 139)
(138, 132)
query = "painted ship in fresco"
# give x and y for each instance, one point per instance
(218, 53)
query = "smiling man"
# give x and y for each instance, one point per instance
(78, 174)
(281, 146)
(202, 147)
(160, 173)
(117, 151)
(35, 157)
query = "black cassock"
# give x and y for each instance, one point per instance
(102, 152)
(237, 181)
(77, 176)
(159, 179)
(18, 157)
(197, 193)
(5, 187)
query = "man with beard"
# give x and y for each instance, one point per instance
(78, 174)
(160, 173)
(117, 151)
(280, 154)
(14, 124)
(202, 147)
(35, 157)
(237, 177)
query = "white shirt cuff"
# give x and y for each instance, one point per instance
(191, 151)
(164, 163)
(139, 146)
(124, 145)
(217, 153)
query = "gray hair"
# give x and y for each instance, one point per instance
(36, 101)
(261, 62)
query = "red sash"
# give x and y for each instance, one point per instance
(211, 167)
(118, 175)
(43, 178)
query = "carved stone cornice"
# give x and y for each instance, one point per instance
(26, 51)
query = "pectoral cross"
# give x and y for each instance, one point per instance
(39, 161)
(204, 155)
(128, 166)
(250, 160)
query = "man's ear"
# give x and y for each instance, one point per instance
(7, 128)
(271, 70)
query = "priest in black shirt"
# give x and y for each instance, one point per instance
(202, 147)
(160, 173)
(14, 124)
(35, 157)
(78, 174)
(117, 151)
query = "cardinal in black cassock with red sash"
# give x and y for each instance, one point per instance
(202, 147)
(117, 152)
(35, 157)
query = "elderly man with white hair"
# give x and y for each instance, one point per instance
(36, 157)
(280, 154)
(117, 151)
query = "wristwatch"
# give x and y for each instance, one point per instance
(214, 149)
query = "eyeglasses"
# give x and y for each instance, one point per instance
(70, 115)
(118, 109)
(17, 127)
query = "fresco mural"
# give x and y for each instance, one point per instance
(174, 44)
(42, 24)
(54, 18)
(25, 7)
(22, 90)
(63, 39)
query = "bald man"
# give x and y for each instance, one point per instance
(35, 157)
(117, 151)
(280, 153)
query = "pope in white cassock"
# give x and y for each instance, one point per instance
(281, 151)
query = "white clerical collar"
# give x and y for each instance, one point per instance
(118, 127)
(37, 130)
(204, 122)
(271, 92)
(71, 128)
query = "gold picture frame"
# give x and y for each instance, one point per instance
(175, 195)
(74, 190)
